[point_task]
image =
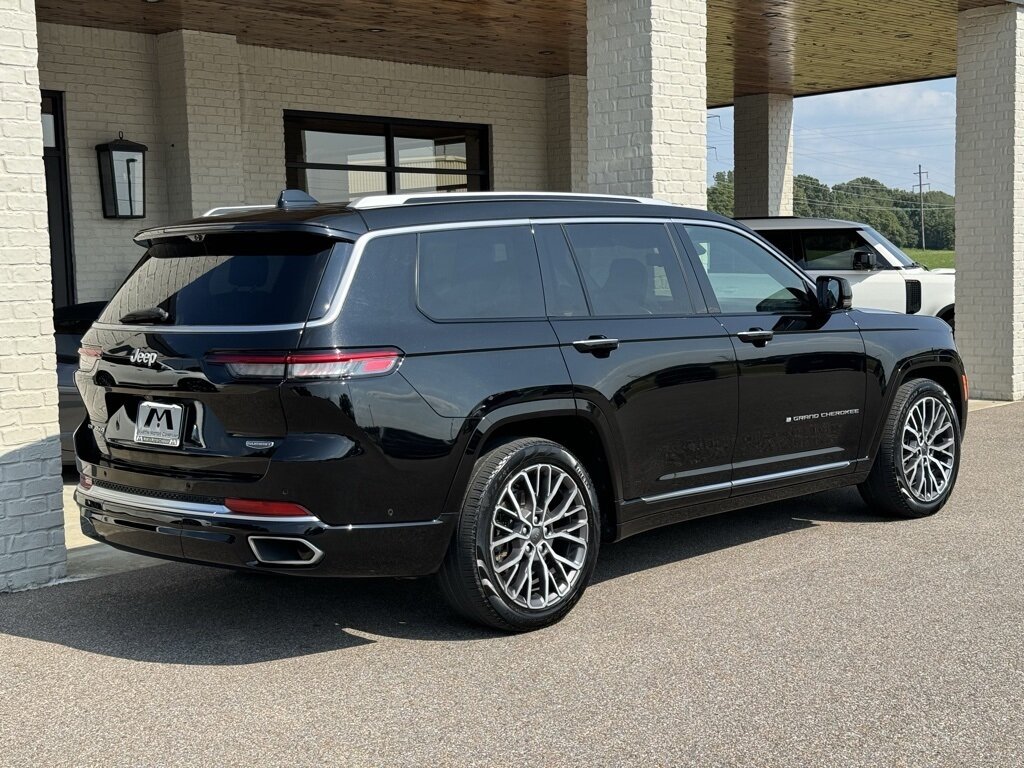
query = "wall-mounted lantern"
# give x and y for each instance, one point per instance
(122, 178)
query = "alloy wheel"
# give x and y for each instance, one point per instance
(538, 539)
(928, 447)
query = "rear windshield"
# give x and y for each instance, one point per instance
(265, 279)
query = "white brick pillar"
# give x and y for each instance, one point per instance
(647, 95)
(200, 110)
(567, 133)
(990, 199)
(31, 518)
(763, 152)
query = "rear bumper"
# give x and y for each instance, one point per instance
(210, 534)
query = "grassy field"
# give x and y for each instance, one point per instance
(932, 259)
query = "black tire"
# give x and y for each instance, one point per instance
(468, 579)
(887, 489)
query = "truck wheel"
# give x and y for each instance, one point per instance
(919, 456)
(527, 538)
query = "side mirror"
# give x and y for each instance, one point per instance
(866, 260)
(834, 293)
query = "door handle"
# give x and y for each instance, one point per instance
(755, 336)
(596, 345)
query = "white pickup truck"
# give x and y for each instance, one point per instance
(881, 275)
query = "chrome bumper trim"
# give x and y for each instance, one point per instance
(187, 508)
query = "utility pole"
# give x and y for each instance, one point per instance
(921, 184)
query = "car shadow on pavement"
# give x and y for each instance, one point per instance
(193, 615)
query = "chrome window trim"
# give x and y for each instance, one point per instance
(743, 482)
(189, 508)
(360, 243)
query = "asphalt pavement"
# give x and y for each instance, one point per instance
(803, 633)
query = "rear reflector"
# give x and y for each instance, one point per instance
(266, 508)
(319, 364)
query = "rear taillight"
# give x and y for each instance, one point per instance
(88, 357)
(266, 508)
(318, 364)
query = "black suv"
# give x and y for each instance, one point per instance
(485, 387)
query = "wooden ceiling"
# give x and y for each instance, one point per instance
(754, 46)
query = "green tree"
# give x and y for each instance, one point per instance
(720, 194)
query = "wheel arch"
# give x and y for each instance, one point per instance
(560, 421)
(945, 370)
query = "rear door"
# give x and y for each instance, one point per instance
(801, 372)
(657, 372)
(156, 373)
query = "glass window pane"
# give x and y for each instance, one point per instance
(449, 153)
(484, 273)
(227, 279)
(343, 148)
(744, 276)
(339, 186)
(832, 248)
(629, 269)
(435, 182)
(128, 183)
(49, 131)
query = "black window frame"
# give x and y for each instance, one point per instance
(296, 121)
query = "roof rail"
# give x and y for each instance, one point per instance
(391, 201)
(223, 209)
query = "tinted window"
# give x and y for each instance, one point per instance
(832, 248)
(744, 276)
(228, 280)
(629, 269)
(563, 291)
(783, 240)
(485, 273)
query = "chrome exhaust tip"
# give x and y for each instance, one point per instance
(284, 551)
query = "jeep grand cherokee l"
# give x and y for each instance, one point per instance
(485, 387)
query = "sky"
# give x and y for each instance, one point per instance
(878, 132)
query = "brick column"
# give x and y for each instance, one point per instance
(567, 133)
(763, 150)
(647, 94)
(200, 109)
(31, 518)
(990, 199)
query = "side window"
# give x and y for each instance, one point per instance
(563, 291)
(826, 249)
(744, 276)
(629, 269)
(483, 273)
(783, 240)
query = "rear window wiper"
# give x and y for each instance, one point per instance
(148, 315)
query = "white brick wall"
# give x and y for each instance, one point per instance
(274, 80)
(990, 199)
(567, 133)
(211, 113)
(763, 149)
(109, 80)
(31, 521)
(647, 92)
(200, 108)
